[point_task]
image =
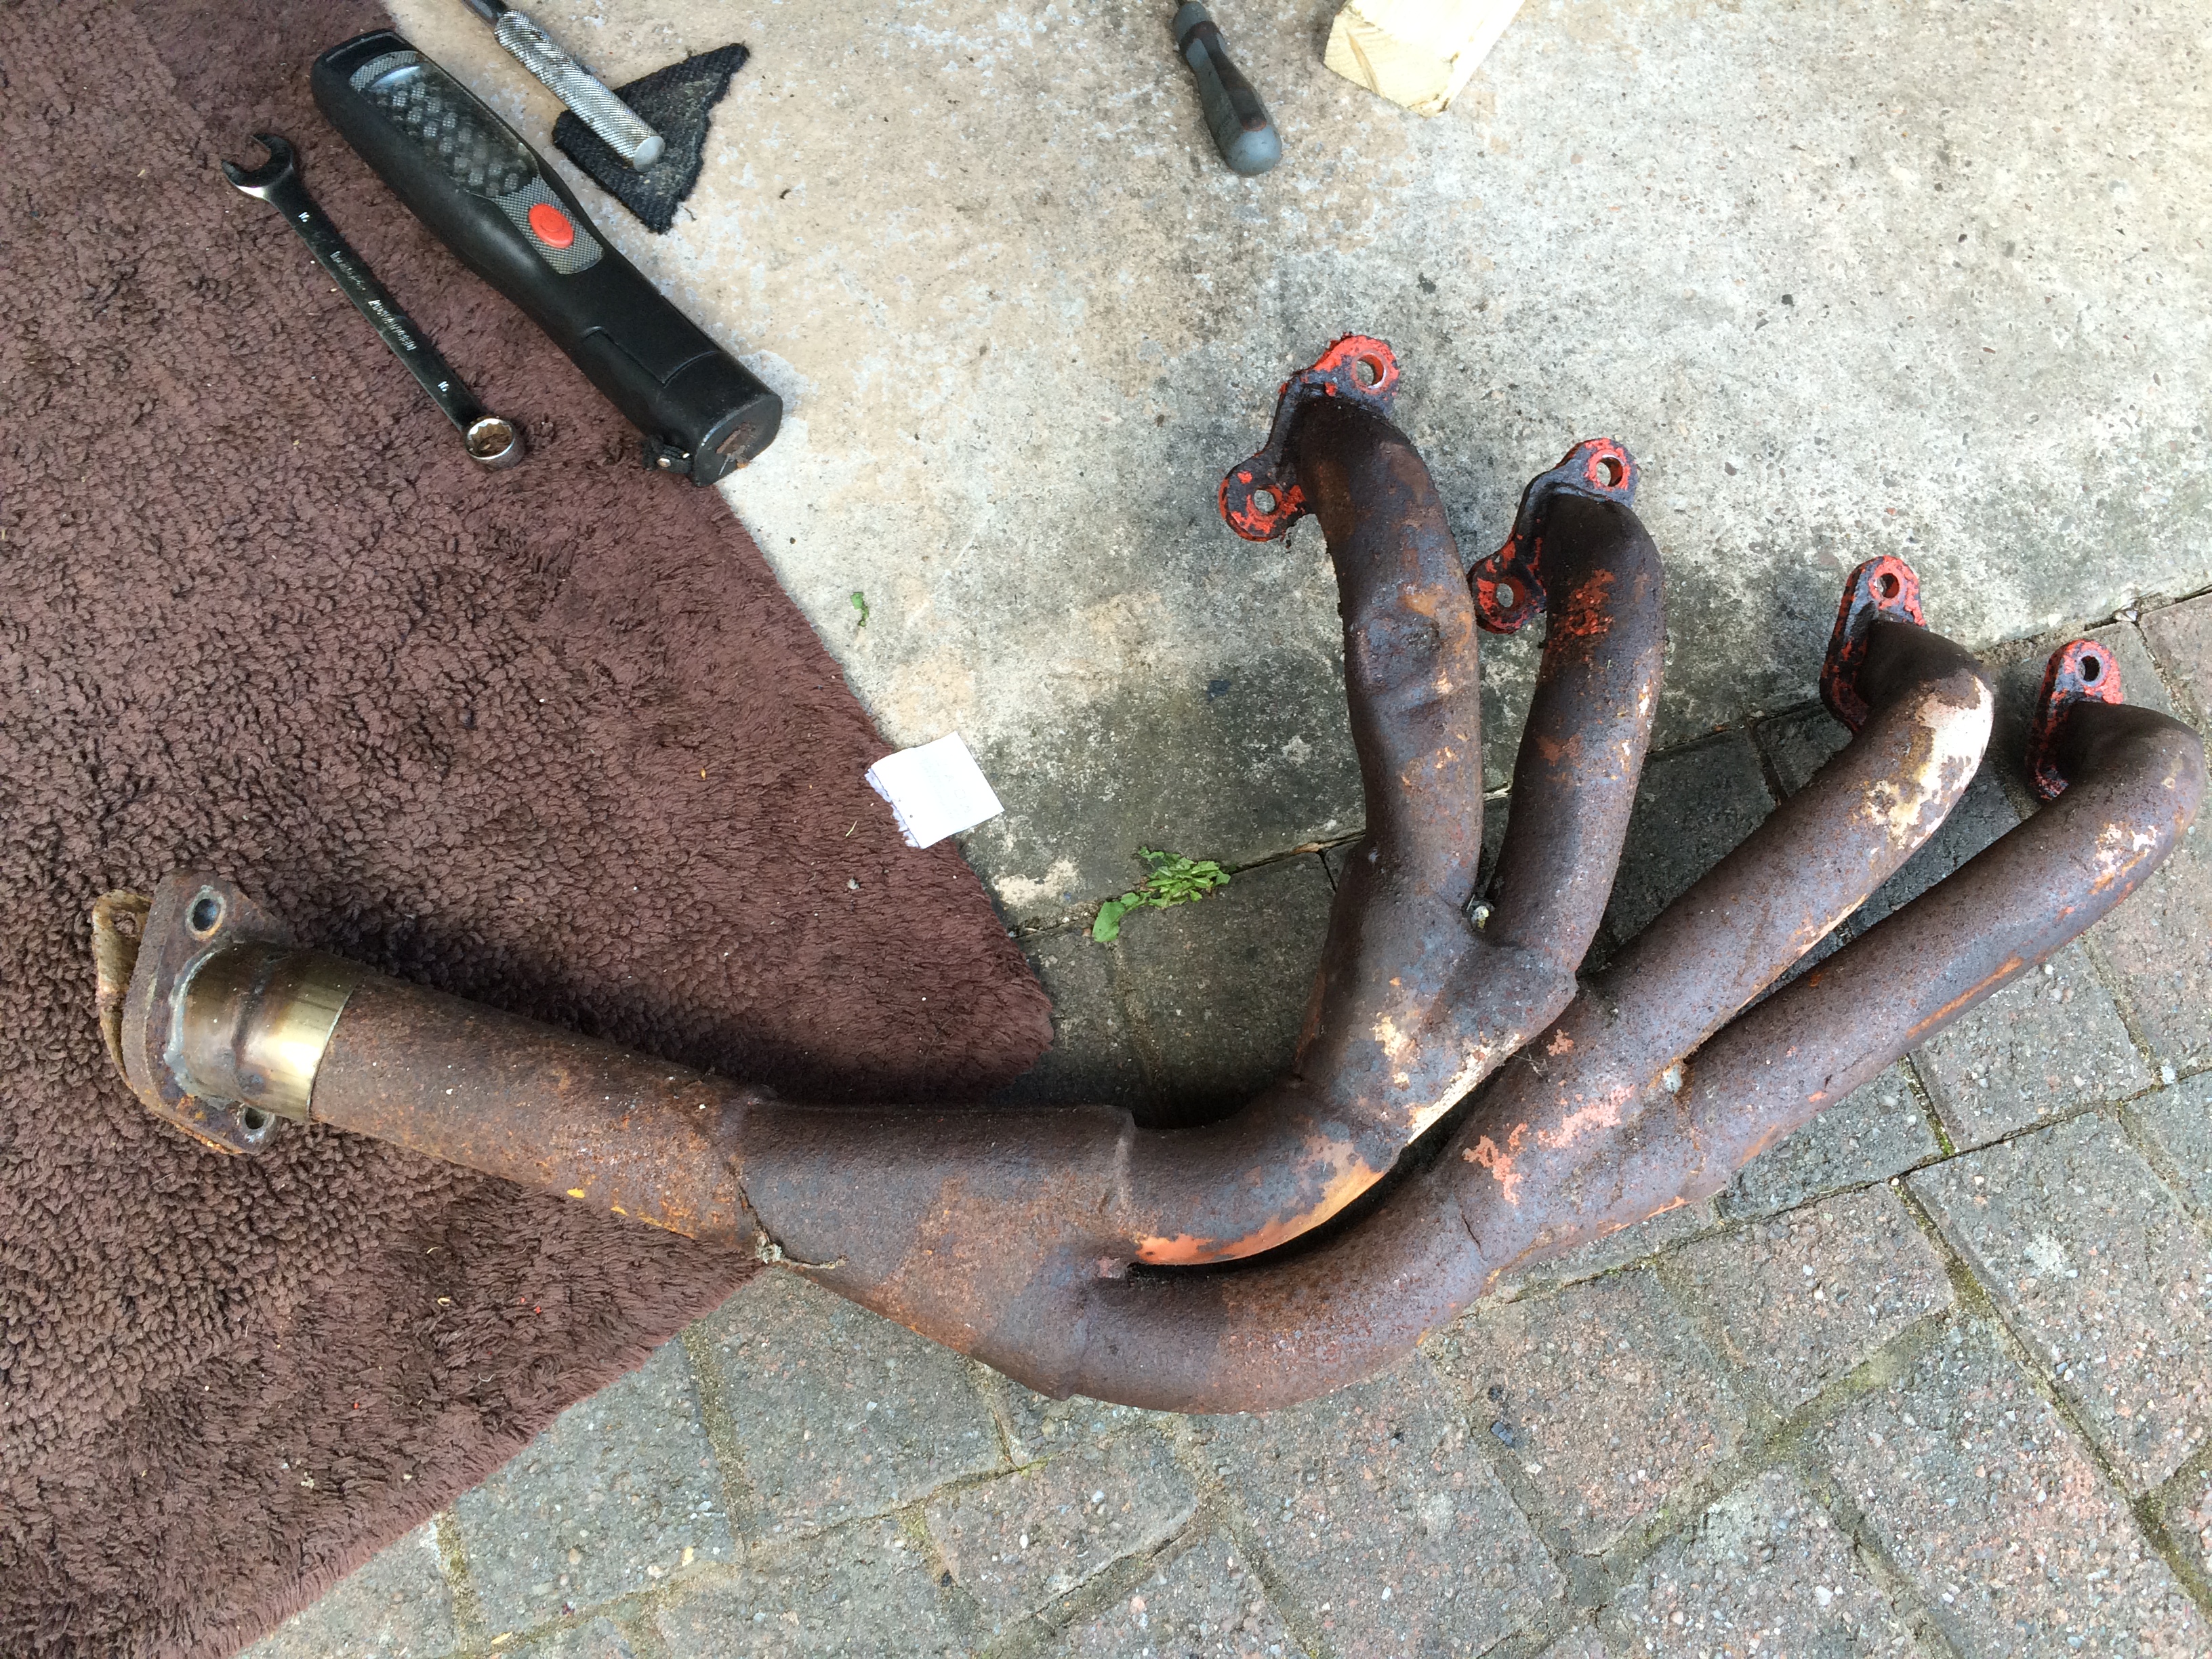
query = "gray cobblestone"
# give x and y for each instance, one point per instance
(1872, 1134)
(840, 1412)
(1205, 1604)
(1037, 1427)
(1093, 1057)
(1802, 1299)
(2159, 945)
(1764, 1571)
(2180, 637)
(2101, 1273)
(1647, 1237)
(594, 1638)
(867, 1588)
(1693, 807)
(2047, 1043)
(1219, 986)
(1390, 1528)
(620, 1492)
(1029, 1538)
(1606, 1397)
(2178, 1120)
(1971, 1485)
(394, 1606)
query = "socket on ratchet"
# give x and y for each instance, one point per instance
(492, 441)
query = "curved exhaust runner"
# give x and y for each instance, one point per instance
(1012, 1235)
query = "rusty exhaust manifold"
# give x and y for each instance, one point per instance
(1080, 1253)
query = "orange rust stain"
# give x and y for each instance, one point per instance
(1552, 752)
(1186, 1251)
(2010, 965)
(1500, 1164)
(1560, 1044)
(1602, 1113)
(1586, 615)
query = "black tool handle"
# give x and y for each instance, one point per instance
(486, 194)
(1243, 131)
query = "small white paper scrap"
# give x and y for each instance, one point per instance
(935, 791)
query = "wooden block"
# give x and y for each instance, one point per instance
(1415, 52)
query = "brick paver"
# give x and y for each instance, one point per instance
(1692, 806)
(2188, 1519)
(1374, 1507)
(1206, 1604)
(1802, 1299)
(1035, 1427)
(1017, 1543)
(2103, 1275)
(1218, 989)
(1092, 1058)
(395, 1606)
(1580, 1643)
(1872, 1134)
(837, 1412)
(1968, 1483)
(2177, 1121)
(865, 1588)
(594, 1638)
(2159, 945)
(2180, 638)
(2050, 1042)
(1634, 1243)
(1765, 1570)
(622, 1491)
(1608, 1400)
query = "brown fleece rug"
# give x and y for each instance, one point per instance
(552, 738)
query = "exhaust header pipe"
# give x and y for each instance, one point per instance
(1078, 1252)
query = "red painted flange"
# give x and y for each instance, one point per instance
(1508, 590)
(2080, 671)
(1261, 497)
(1886, 586)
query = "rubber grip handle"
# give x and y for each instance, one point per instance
(485, 193)
(1243, 131)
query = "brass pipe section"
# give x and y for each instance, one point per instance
(255, 1021)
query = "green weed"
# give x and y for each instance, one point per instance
(1173, 880)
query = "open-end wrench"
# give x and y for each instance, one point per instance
(491, 441)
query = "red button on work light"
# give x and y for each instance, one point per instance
(552, 225)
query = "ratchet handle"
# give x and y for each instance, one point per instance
(487, 195)
(374, 301)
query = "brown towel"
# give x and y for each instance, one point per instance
(553, 738)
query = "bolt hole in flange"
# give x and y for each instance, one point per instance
(1263, 500)
(1507, 597)
(1886, 585)
(252, 1120)
(1610, 469)
(2093, 668)
(206, 914)
(1366, 370)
